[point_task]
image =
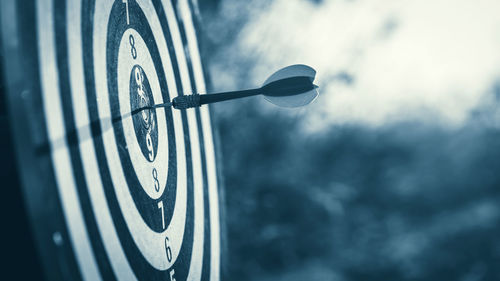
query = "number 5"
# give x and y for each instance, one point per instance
(172, 278)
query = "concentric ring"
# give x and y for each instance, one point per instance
(128, 216)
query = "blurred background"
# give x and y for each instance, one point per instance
(393, 173)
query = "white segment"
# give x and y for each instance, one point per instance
(111, 242)
(199, 229)
(60, 154)
(208, 138)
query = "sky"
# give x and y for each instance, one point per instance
(377, 62)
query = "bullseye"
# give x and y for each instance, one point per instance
(145, 123)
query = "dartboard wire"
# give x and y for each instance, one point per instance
(195, 60)
(61, 159)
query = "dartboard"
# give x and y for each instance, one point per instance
(112, 195)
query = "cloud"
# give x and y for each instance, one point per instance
(377, 61)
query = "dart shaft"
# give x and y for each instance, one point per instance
(206, 99)
(196, 100)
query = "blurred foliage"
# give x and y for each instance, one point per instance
(403, 201)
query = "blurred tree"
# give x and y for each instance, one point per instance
(402, 202)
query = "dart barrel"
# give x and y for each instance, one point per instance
(92, 196)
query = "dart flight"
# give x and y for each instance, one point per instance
(291, 86)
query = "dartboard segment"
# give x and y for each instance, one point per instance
(134, 196)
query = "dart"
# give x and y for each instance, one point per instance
(291, 86)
